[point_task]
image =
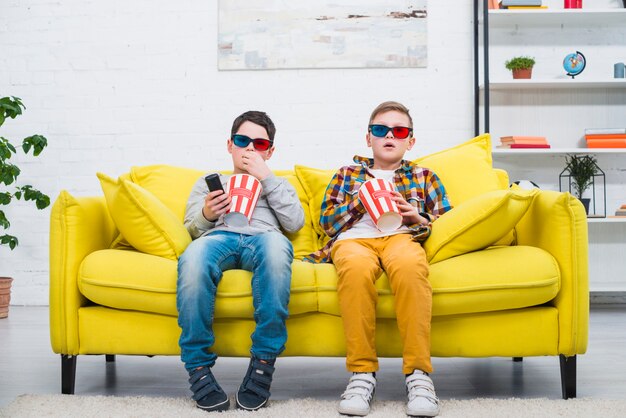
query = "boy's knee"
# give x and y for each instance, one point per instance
(276, 245)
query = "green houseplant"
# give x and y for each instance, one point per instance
(522, 67)
(581, 169)
(11, 107)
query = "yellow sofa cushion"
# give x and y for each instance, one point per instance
(315, 181)
(304, 241)
(136, 281)
(495, 279)
(477, 223)
(466, 170)
(171, 185)
(146, 223)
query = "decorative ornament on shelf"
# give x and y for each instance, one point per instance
(522, 67)
(574, 63)
(580, 174)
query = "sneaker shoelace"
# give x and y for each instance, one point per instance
(361, 386)
(420, 385)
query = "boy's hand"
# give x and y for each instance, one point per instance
(255, 165)
(409, 212)
(216, 203)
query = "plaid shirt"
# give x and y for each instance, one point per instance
(341, 207)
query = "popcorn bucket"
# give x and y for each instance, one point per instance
(244, 191)
(376, 196)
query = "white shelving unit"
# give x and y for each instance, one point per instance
(559, 107)
(579, 17)
(606, 220)
(557, 83)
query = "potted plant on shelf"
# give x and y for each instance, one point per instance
(11, 107)
(581, 170)
(522, 67)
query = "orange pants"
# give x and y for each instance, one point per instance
(359, 263)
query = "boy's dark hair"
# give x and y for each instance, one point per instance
(258, 118)
(389, 106)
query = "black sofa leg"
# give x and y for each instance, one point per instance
(518, 359)
(568, 376)
(110, 358)
(68, 374)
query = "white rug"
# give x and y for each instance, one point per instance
(113, 406)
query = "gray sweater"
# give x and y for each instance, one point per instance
(278, 207)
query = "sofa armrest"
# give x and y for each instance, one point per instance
(78, 227)
(557, 223)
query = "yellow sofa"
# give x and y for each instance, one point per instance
(508, 270)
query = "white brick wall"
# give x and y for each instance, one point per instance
(120, 83)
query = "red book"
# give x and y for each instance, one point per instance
(523, 140)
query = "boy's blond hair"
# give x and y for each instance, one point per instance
(389, 106)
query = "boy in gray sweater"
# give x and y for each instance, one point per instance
(259, 247)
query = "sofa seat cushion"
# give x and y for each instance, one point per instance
(130, 280)
(495, 279)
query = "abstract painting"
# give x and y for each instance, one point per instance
(275, 34)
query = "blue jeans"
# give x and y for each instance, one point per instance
(268, 256)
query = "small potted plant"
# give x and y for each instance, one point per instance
(581, 169)
(11, 107)
(522, 67)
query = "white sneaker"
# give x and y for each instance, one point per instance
(358, 395)
(423, 401)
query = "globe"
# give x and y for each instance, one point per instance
(574, 63)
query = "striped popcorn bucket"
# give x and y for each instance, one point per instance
(376, 196)
(244, 191)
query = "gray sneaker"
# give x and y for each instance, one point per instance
(423, 401)
(358, 396)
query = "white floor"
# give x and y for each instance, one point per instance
(28, 366)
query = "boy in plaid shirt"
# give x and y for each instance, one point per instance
(361, 252)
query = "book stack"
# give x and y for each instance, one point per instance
(516, 142)
(522, 4)
(621, 211)
(606, 138)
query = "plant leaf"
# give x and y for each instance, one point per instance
(37, 142)
(8, 173)
(10, 240)
(6, 149)
(11, 106)
(4, 222)
(42, 201)
(5, 198)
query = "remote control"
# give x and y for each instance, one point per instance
(213, 182)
